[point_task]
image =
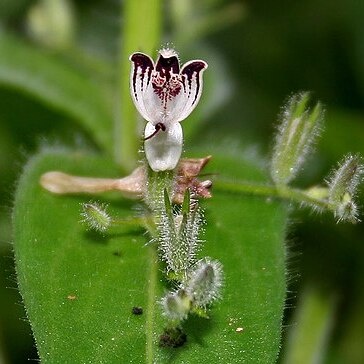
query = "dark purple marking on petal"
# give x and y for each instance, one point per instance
(192, 70)
(145, 63)
(167, 65)
(166, 90)
(183, 81)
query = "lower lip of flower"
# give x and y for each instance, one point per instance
(164, 149)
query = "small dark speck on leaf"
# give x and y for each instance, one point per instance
(117, 253)
(137, 310)
(172, 338)
(71, 297)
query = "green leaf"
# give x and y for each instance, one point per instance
(246, 234)
(79, 288)
(58, 85)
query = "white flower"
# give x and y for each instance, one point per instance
(164, 95)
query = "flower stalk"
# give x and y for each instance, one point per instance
(96, 217)
(266, 190)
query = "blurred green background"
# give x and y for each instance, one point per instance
(259, 53)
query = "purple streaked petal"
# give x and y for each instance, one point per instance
(192, 73)
(179, 101)
(140, 78)
(167, 65)
(161, 92)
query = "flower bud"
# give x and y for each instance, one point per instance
(205, 282)
(179, 235)
(296, 135)
(95, 216)
(345, 179)
(343, 184)
(347, 210)
(177, 305)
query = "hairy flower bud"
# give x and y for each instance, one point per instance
(343, 184)
(296, 134)
(179, 235)
(177, 305)
(205, 282)
(95, 216)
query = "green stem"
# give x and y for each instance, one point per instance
(283, 192)
(158, 182)
(136, 221)
(307, 340)
(150, 315)
(147, 222)
(141, 32)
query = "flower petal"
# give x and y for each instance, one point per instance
(165, 89)
(161, 92)
(164, 149)
(192, 86)
(184, 92)
(167, 63)
(140, 79)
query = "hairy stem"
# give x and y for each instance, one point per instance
(283, 192)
